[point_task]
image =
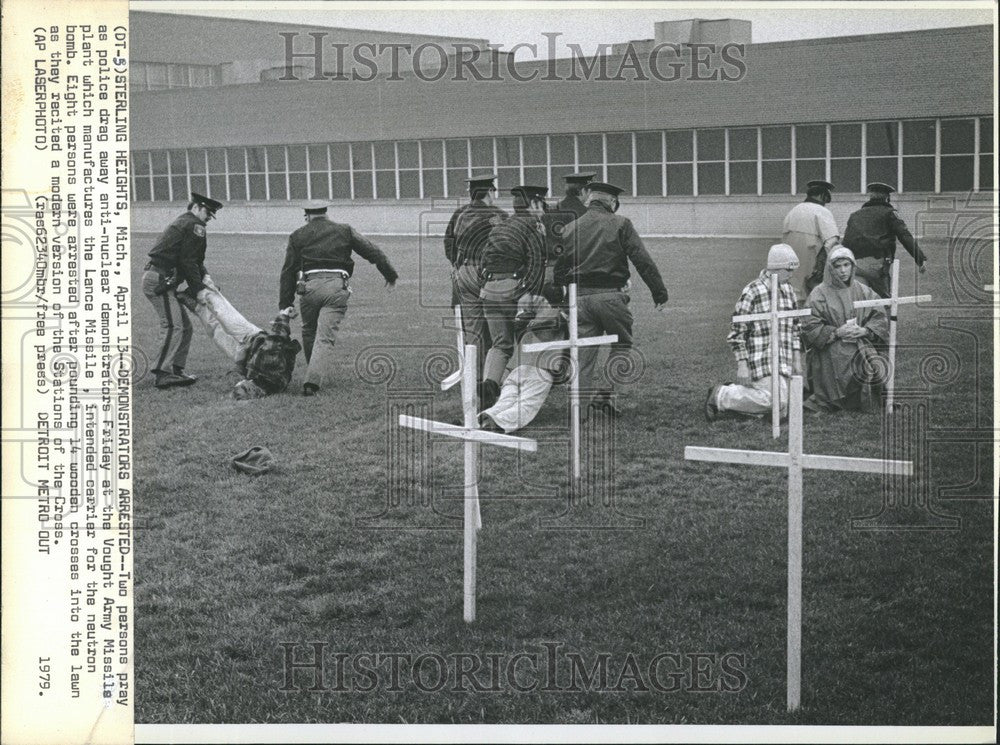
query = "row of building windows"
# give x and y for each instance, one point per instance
(157, 76)
(926, 155)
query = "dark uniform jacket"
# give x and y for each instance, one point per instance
(468, 230)
(873, 230)
(572, 204)
(323, 244)
(516, 246)
(180, 250)
(599, 246)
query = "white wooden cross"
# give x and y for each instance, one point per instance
(773, 315)
(893, 301)
(795, 461)
(457, 375)
(573, 344)
(473, 437)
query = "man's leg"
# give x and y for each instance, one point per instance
(175, 332)
(754, 399)
(328, 323)
(500, 321)
(226, 326)
(310, 306)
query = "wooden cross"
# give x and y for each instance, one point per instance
(773, 315)
(893, 301)
(795, 461)
(573, 344)
(457, 375)
(473, 437)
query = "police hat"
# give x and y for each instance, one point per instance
(316, 207)
(212, 205)
(605, 188)
(579, 178)
(529, 192)
(819, 184)
(481, 182)
(879, 186)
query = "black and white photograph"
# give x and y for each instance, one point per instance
(561, 364)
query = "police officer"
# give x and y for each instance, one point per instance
(320, 254)
(464, 242)
(178, 258)
(871, 234)
(567, 210)
(599, 246)
(811, 230)
(513, 264)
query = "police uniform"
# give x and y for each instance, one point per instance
(178, 257)
(513, 264)
(464, 242)
(320, 252)
(599, 246)
(566, 211)
(811, 230)
(871, 235)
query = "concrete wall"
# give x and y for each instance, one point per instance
(759, 217)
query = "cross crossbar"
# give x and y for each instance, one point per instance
(470, 434)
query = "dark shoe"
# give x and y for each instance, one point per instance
(309, 389)
(711, 407)
(169, 380)
(179, 372)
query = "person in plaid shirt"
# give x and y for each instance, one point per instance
(751, 394)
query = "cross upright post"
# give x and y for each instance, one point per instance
(893, 301)
(473, 437)
(795, 461)
(774, 315)
(573, 344)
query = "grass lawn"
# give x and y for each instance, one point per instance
(680, 558)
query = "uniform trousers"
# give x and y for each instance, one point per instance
(754, 398)
(324, 306)
(875, 273)
(602, 312)
(225, 325)
(468, 284)
(500, 308)
(175, 325)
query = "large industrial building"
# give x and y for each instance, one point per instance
(723, 148)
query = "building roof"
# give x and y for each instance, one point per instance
(929, 73)
(207, 40)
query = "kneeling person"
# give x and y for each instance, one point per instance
(751, 344)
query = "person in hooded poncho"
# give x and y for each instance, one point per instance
(841, 340)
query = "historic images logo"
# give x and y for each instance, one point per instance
(312, 667)
(314, 57)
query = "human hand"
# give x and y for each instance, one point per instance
(661, 306)
(923, 267)
(389, 286)
(743, 372)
